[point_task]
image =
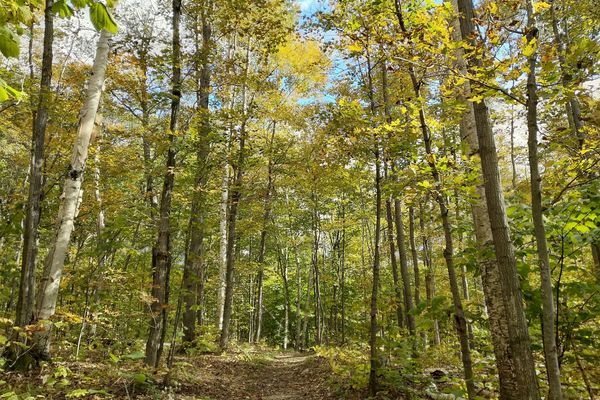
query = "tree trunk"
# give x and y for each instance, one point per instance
(459, 317)
(315, 270)
(263, 237)
(235, 196)
(388, 208)
(50, 283)
(223, 208)
(413, 250)
(572, 106)
(394, 263)
(343, 276)
(374, 357)
(550, 351)
(193, 272)
(161, 252)
(429, 276)
(509, 326)
(298, 339)
(408, 297)
(26, 297)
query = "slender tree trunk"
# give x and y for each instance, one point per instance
(223, 207)
(408, 297)
(429, 276)
(193, 273)
(388, 209)
(394, 263)
(298, 339)
(161, 252)
(550, 351)
(315, 270)
(572, 105)
(413, 250)
(235, 196)
(263, 236)
(513, 156)
(50, 283)
(26, 297)
(374, 357)
(343, 276)
(283, 267)
(511, 337)
(459, 317)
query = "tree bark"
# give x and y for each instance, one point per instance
(223, 207)
(26, 297)
(235, 196)
(459, 317)
(550, 351)
(394, 263)
(263, 237)
(193, 272)
(298, 337)
(407, 292)
(511, 337)
(572, 106)
(161, 252)
(54, 265)
(413, 250)
(374, 357)
(429, 275)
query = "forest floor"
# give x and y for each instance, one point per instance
(247, 373)
(284, 376)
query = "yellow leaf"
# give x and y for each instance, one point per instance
(493, 8)
(530, 47)
(355, 47)
(540, 6)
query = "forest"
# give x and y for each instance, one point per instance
(300, 199)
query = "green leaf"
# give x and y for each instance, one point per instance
(3, 97)
(139, 379)
(62, 9)
(138, 355)
(9, 46)
(79, 3)
(101, 18)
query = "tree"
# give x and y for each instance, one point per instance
(512, 346)
(54, 264)
(161, 252)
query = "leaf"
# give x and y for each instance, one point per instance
(540, 6)
(63, 9)
(3, 97)
(9, 46)
(138, 355)
(530, 47)
(139, 379)
(101, 18)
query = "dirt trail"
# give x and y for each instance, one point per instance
(286, 376)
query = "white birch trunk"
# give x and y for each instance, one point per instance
(50, 283)
(223, 239)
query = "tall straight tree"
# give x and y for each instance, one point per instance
(161, 251)
(490, 273)
(26, 299)
(193, 273)
(515, 364)
(71, 197)
(389, 211)
(263, 239)
(549, 339)
(235, 196)
(459, 315)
